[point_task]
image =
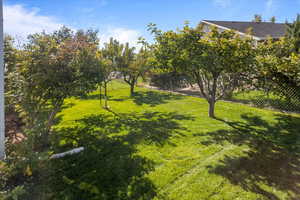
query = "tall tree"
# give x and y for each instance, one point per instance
(293, 31)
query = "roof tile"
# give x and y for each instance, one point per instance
(259, 29)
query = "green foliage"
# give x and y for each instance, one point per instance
(293, 31)
(110, 57)
(15, 194)
(169, 81)
(278, 68)
(12, 79)
(273, 19)
(257, 18)
(60, 64)
(216, 61)
(153, 152)
(53, 67)
(127, 67)
(40, 76)
(112, 51)
(23, 176)
(10, 54)
(125, 61)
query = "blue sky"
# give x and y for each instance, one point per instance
(127, 19)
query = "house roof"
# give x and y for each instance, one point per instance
(261, 30)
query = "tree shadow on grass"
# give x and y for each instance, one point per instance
(109, 97)
(273, 158)
(110, 167)
(154, 98)
(93, 96)
(67, 105)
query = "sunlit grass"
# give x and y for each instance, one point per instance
(158, 145)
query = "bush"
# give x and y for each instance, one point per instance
(169, 81)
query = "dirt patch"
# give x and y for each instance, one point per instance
(13, 128)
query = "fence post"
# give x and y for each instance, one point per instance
(2, 109)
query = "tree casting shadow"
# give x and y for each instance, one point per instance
(109, 167)
(273, 158)
(153, 98)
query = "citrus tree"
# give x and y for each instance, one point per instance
(215, 60)
(134, 65)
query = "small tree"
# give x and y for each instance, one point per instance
(273, 19)
(257, 18)
(127, 68)
(133, 65)
(54, 67)
(111, 55)
(105, 77)
(214, 60)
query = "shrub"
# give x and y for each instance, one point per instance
(169, 81)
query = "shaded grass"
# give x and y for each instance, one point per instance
(170, 149)
(109, 166)
(153, 98)
(273, 156)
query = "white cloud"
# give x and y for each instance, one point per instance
(270, 8)
(123, 35)
(19, 21)
(269, 5)
(222, 3)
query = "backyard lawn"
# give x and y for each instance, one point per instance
(158, 145)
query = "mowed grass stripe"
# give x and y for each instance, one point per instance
(181, 180)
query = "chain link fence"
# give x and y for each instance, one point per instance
(286, 99)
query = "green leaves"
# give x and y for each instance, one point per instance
(125, 60)
(293, 31)
(214, 60)
(278, 65)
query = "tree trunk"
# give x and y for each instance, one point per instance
(212, 99)
(105, 94)
(50, 122)
(132, 89)
(211, 110)
(100, 95)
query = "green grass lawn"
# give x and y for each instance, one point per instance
(162, 146)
